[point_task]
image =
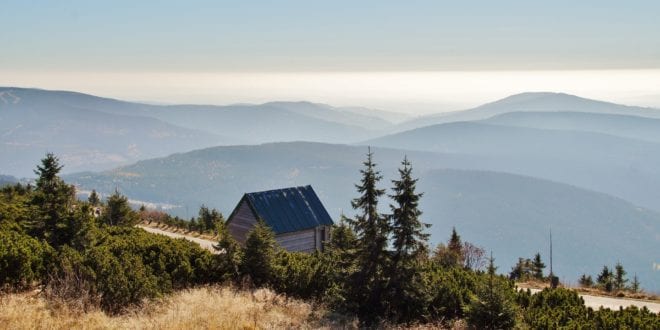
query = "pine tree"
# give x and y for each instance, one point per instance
(450, 255)
(209, 219)
(342, 239)
(410, 246)
(368, 284)
(258, 255)
(118, 211)
(53, 200)
(619, 277)
(634, 286)
(604, 279)
(409, 239)
(537, 266)
(94, 199)
(229, 254)
(454, 243)
(340, 252)
(491, 308)
(586, 281)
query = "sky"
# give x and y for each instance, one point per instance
(410, 56)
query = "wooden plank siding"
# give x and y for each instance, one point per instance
(299, 241)
(242, 222)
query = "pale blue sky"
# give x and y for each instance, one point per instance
(411, 56)
(308, 35)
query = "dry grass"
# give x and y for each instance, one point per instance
(202, 308)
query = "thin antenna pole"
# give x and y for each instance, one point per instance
(551, 273)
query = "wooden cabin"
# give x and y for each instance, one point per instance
(296, 216)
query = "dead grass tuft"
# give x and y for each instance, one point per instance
(201, 308)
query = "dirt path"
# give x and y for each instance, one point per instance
(202, 242)
(614, 303)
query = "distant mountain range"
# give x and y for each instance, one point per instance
(627, 126)
(510, 214)
(91, 133)
(622, 167)
(503, 173)
(531, 102)
(7, 179)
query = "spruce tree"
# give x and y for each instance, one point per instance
(537, 266)
(455, 247)
(409, 239)
(492, 307)
(229, 254)
(368, 284)
(118, 211)
(586, 281)
(340, 254)
(53, 200)
(407, 292)
(342, 239)
(259, 254)
(619, 277)
(94, 199)
(450, 255)
(634, 285)
(604, 279)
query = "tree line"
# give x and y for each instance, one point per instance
(377, 267)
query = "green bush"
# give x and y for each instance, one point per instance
(563, 308)
(121, 280)
(24, 260)
(450, 289)
(301, 274)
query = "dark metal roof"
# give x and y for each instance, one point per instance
(289, 209)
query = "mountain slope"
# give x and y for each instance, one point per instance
(531, 102)
(492, 209)
(263, 123)
(346, 116)
(633, 127)
(617, 166)
(269, 122)
(513, 215)
(83, 138)
(7, 180)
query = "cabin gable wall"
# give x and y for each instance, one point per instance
(242, 221)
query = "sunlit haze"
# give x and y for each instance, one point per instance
(409, 92)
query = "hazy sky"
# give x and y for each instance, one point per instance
(240, 51)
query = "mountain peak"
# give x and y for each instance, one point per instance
(536, 96)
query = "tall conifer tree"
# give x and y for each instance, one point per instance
(409, 238)
(54, 199)
(407, 291)
(372, 229)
